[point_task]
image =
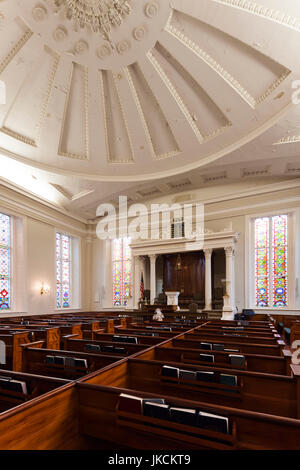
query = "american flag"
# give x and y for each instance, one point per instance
(142, 290)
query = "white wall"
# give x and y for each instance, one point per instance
(233, 212)
(34, 246)
(33, 255)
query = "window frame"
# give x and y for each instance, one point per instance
(121, 260)
(61, 307)
(250, 285)
(11, 262)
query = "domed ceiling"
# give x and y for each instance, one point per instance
(131, 90)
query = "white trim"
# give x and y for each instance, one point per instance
(23, 208)
(122, 260)
(61, 269)
(41, 200)
(11, 262)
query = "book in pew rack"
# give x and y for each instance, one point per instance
(9, 384)
(207, 357)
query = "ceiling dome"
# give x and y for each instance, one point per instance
(129, 90)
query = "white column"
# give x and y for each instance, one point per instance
(208, 293)
(229, 301)
(137, 280)
(152, 277)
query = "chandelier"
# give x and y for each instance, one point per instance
(96, 15)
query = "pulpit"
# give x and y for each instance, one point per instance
(172, 297)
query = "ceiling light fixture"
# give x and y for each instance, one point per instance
(99, 16)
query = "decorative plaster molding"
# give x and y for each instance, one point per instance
(207, 252)
(151, 9)
(260, 10)
(218, 68)
(140, 110)
(115, 80)
(17, 136)
(156, 155)
(39, 13)
(211, 241)
(31, 209)
(295, 139)
(165, 79)
(47, 95)
(16, 48)
(86, 118)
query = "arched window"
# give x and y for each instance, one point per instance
(271, 261)
(63, 270)
(122, 276)
(5, 262)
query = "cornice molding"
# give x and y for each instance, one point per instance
(41, 200)
(274, 187)
(25, 209)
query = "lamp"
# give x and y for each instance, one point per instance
(44, 289)
(178, 265)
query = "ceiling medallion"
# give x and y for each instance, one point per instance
(39, 13)
(100, 16)
(60, 34)
(139, 33)
(151, 9)
(123, 46)
(81, 47)
(104, 51)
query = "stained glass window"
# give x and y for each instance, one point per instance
(279, 258)
(122, 276)
(271, 235)
(63, 270)
(5, 252)
(262, 261)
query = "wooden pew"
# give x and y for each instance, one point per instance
(145, 340)
(265, 393)
(237, 346)
(144, 332)
(13, 341)
(246, 331)
(50, 335)
(167, 328)
(217, 338)
(71, 343)
(251, 324)
(250, 430)
(34, 362)
(35, 387)
(48, 422)
(295, 332)
(278, 365)
(64, 328)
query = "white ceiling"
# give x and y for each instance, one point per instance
(187, 94)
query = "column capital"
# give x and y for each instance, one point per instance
(207, 252)
(152, 257)
(229, 250)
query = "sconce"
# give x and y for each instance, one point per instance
(178, 266)
(44, 289)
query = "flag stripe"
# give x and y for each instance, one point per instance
(142, 289)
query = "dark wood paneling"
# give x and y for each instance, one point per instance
(190, 280)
